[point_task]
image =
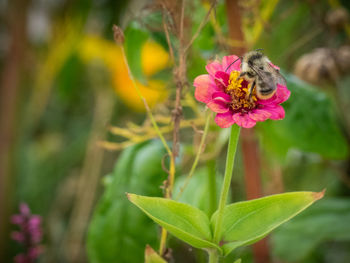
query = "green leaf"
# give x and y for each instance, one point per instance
(152, 257)
(310, 124)
(326, 221)
(135, 37)
(186, 222)
(247, 222)
(114, 231)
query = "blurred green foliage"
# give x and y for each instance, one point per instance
(119, 230)
(310, 120)
(325, 222)
(135, 37)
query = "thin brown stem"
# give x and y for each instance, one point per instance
(182, 21)
(180, 80)
(148, 110)
(167, 35)
(199, 152)
(200, 27)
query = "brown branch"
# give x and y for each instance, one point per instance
(235, 25)
(180, 80)
(167, 35)
(9, 91)
(179, 74)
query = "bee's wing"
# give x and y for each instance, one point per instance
(279, 79)
(266, 76)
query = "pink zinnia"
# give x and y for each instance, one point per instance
(226, 94)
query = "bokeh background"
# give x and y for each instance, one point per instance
(74, 135)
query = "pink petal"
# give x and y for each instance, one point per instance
(220, 102)
(18, 236)
(218, 106)
(243, 120)
(274, 66)
(34, 221)
(282, 94)
(17, 219)
(20, 258)
(205, 87)
(277, 112)
(34, 252)
(24, 209)
(222, 96)
(213, 67)
(224, 120)
(228, 60)
(222, 77)
(259, 115)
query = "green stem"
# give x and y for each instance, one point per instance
(199, 152)
(230, 158)
(213, 256)
(211, 186)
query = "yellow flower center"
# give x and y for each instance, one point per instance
(241, 99)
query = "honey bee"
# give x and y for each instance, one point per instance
(258, 70)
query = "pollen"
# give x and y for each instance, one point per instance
(239, 89)
(234, 81)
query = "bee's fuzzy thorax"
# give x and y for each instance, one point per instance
(257, 70)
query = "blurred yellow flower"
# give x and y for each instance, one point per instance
(153, 59)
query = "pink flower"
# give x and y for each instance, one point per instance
(21, 258)
(18, 236)
(30, 234)
(24, 209)
(226, 94)
(17, 219)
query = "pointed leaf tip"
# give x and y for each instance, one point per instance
(186, 222)
(131, 197)
(152, 256)
(319, 195)
(248, 221)
(148, 250)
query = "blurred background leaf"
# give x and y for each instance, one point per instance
(310, 124)
(326, 221)
(119, 230)
(198, 191)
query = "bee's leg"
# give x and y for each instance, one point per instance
(242, 75)
(250, 91)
